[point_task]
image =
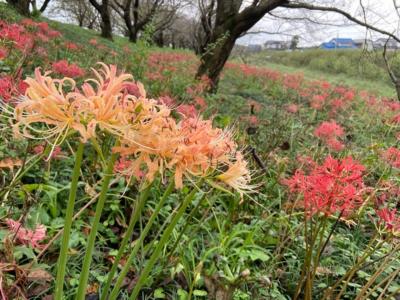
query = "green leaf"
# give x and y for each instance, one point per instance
(21, 251)
(200, 293)
(183, 295)
(159, 293)
(255, 254)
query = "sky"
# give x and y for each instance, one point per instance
(380, 13)
(321, 26)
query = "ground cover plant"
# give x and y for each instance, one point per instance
(122, 179)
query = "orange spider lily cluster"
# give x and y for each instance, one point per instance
(152, 141)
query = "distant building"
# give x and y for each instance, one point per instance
(365, 44)
(390, 44)
(276, 45)
(339, 43)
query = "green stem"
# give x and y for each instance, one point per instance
(128, 234)
(62, 260)
(93, 232)
(128, 263)
(160, 245)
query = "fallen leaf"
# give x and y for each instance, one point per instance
(10, 163)
(39, 275)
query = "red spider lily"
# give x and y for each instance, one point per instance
(93, 42)
(132, 89)
(336, 186)
(392, 157)
(27, 236)
(71, 46)
(293, 81)
(395, 119)
(200, 102)
(328, 130)
(69, 70)
(187, 110)
(329, 133)
(39, 149)
(41, 52)
(167, 100)
(334, 144)
(10, 88)
(292, 108)
(318, 101)
(390, 218)
(22, 39)
(3, 53)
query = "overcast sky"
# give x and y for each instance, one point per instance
(380, 13)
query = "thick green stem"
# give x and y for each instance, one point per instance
(93, 232)
(128, 263)
(160, 245)
(62, 260)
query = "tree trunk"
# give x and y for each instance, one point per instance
(104, 11)
(106, 27)
(22, 6)
(133, 35)
(213, 60)
(397, 85)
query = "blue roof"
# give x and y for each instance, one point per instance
(339, 43)
(342, 40)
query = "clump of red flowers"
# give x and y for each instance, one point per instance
(336, 186)
(329, 133)
(392, 157)
(292, 108)
(26, 236)
(62, 67)
(10, 87)
(390, 218)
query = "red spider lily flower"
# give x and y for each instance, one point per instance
(167, 100)
(26, 236)
(317, 102)
(390, 218)
(6, 86)
(392, 157)
(10, 88)
(3, 53)
(292, 108)
(293, 81)
(39, 149)
(93, 42)
(17, 34)
(395, 119)
(329, 133)
(133, 89)
(336, 186)
(62, 67)
(187, 110)
(334, 144)
(41, 52)
(71, 46)
(200, 102)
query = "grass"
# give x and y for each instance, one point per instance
(375, 87)
(245, 248)
(364, 70)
